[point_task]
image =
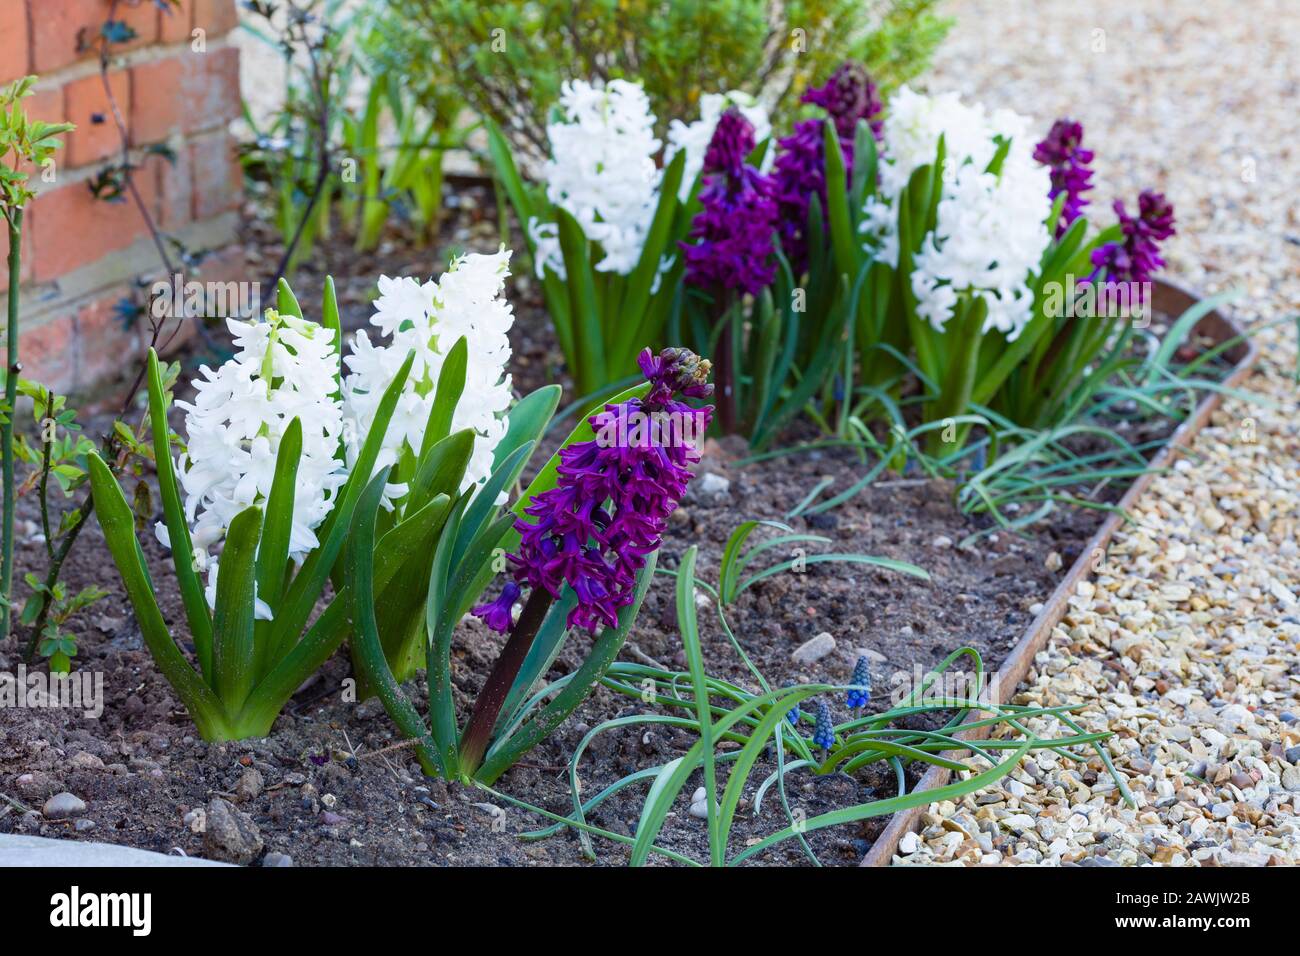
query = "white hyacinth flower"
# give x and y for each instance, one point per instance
(282, 369)
(991, 230)
(430, 317)
(602, 171)
(695, 137)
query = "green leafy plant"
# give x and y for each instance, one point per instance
(602, 319)
(736, 728)
(56, 643)
(323, 159)
(249, 666)
(467, 557)
(509, 60)
(25, 144)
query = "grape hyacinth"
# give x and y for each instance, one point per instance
(1063, 153)
(610, 506)
(848, 96)
(731, 237)
(824, 729)
(860, 684)
(1137, 258)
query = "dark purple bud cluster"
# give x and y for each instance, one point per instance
(730, 245)
(1137, 258)
(800, 173)
(608, 510)
(1062, 151)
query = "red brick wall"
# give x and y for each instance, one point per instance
(177, 84)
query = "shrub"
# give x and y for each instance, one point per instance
(509, 60)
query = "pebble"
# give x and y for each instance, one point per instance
(814, 649)
(84, 760)
(941, 542)
(63, 806)
(230, 834)
(711, 488)
(700, 804)
(1184, 640)
(277, 859)
(250, 785)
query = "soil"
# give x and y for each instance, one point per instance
(340, 788)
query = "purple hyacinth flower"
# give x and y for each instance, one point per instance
(497, 614)
(1062, 151)
(731, 236)
(608, 510)
(1137, 258)
(800, 170)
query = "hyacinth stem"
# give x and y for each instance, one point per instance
(724, 373)
(12, 369)
(478, 732)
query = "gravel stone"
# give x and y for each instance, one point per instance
(1185, 641)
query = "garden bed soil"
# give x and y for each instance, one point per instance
(338, 787)
(384, 812)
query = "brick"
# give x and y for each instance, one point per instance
(47, 352)
(87, 104)
(174, 23)
(215, 17)
(210, 89)
(75, 229)
(103, 346)
(157, 107)
(175, 185)
(14, 48)
(217, 181)
(64, 32)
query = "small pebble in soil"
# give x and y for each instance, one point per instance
(62, 806)
(196, 820)
(941, 542)
(84, 760)
(711, 489)
(700, 804)
(1053, 562)
(230, 835)
(83, 825)
(814, 649)
(277, 859)
(250, 785)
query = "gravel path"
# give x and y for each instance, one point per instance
(1187, 643)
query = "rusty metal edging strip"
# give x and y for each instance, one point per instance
(1016, 666)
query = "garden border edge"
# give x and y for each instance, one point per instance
(1222, 328)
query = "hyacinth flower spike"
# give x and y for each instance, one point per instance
(595, 529)
(261, 470)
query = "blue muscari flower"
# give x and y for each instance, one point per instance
(824, 731)
(860, 689)
(793, 715)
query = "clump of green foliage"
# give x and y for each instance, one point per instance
(508, 60)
